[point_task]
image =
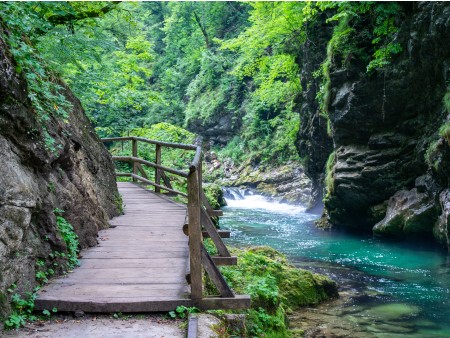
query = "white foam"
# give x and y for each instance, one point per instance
(258, 202)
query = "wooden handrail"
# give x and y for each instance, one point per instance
(150, 164)
(198, 208)
(145, 140)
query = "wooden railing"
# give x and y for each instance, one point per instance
(198, 223)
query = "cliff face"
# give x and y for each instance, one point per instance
(314, 144)
(76, 176)
(391, 168)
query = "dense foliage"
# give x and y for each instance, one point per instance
(227, 70)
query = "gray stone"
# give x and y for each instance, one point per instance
(408, 212)
(76, 176)
(441, 228)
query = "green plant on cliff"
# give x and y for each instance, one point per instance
(70, 238)
(446, 100)
(276, 287)
(444, 131)
(45, 92)
(22, 309)
(329, 176)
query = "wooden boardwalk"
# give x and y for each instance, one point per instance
(139, 264)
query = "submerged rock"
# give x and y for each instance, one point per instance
(392, 312)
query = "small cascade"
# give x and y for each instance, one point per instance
(235, 193)
(247, 199)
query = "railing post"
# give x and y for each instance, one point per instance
(157, 171)
(195, 234)
(134, 146)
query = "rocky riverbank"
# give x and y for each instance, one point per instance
(286, 183)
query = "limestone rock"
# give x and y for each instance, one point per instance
(441, 228)
(76, 176)
(408, 212)
(287, 183)
(381, 125)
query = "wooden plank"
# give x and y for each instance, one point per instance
(150, 164)
(222, 233)
(215, 275)
(158, 171)
(166, 180)
(100, 263)
(146, 247)
(141, 170)
(93, 291)
(131, 255)
(165, 144)
(205, 234)
(212, 231)
(158, 185)
(195, 236)
(155, 304)
(134, 147)
(151, 279)
(224, 260)
(223, 303)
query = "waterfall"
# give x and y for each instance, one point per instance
(246, 199)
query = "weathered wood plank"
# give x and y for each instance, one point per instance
(138, 266)
(215, 275)
(224, 260)
(92, 291)
(195, 235)
(212, 231)
(100, 263)
(182, 253)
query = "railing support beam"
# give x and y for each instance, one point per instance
(134, 146)
(157, 171)
(195, 235)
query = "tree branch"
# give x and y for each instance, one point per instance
(202, 28)
(58, 19)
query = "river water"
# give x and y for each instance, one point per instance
(388, 289)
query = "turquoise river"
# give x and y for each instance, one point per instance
(389, 289)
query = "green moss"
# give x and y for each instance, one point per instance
(276, 287)
(118, 202)
(431, 155)
(444, 132)
(446, 101)
(214, 195)
(329, 178)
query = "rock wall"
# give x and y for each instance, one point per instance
(391, 167)
(314, 145)
(77, 177)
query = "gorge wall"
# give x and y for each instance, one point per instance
(388, 156)
(75, 174)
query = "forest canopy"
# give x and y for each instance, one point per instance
(230, 71)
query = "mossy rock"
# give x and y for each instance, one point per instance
(4, 306)
(214, 195)
(268, 277)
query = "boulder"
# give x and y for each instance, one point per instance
(408, 212)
